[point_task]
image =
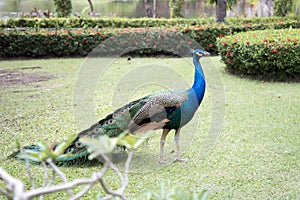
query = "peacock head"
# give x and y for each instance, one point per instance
(199, 52)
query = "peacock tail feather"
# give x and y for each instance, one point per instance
(144, 114)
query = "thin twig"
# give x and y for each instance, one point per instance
(60, 173)
(66, 186)
(126, 172)
(124, 179)
(45, 174)
(52, 179)
(29, 173)
(8, 195)
(117, 171)
(45, 177)
(95, 176)
(14, 185)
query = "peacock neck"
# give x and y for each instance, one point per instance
(199, 79)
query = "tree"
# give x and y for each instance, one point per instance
(267, 7)
(63, 7)
(175, 8)
(283, 7)
(221, 8)
(155, 5)
(148, 8)
(91, 6)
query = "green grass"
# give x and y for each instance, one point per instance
(256, 156)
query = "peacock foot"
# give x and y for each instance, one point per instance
(182, 159)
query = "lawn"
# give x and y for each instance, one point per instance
(247, 147)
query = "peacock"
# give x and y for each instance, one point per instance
(166, 110)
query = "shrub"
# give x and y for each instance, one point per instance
(56, 43)
(283, 7)
(75, 22)
(266, 55)
(82, 42)
(206, 35)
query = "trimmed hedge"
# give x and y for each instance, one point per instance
(75, 22)
(27, 43)
(206, 35)
(272, 55)
(94, 42)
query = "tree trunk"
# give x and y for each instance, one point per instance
(155, 8)
(221, 10)
(269, 5)
(148, 9)
(91, 6)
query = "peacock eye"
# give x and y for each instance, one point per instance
(106, 122)
(78, 144)
(70, 150)
(110, 121)
(96, 129)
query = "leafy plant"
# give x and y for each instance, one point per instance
(282, 7)
(63, 7)
(100, 147)
(75, 22)
(175, 8)
(80, 42)
(266, 55)
(45, 152)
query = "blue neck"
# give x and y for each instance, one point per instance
(199, 79)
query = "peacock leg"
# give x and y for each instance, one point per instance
(162, 143)
(179, 158)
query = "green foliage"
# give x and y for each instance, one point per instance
(81, 42)
(44, 151)
(206, 35)
(63, 7)
(282, 7)
(175, 8)
(75, 22)
(266, 55)
(175, 194)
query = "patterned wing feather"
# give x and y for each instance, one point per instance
(153, 114)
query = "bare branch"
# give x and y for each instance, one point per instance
(29, 173)
(7, 194)
(45, 177)
(57, 188)
(126, 172)
(52, 179)
(45, 174)
(124, 180)
(14, 185)
(15, 188)
(60, 173)
(95, 177)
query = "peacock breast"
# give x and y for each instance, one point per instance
(183, 114)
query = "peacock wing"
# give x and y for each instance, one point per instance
(153, 114)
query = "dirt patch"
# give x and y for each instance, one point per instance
(19, 77)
